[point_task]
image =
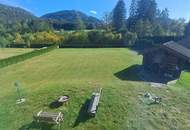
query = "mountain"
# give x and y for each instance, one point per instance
(59, 20)
(70, 17)
(9, 14)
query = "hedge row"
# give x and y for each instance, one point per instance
(162, 39)
(93, 45)
(22, 57)
(31, 45)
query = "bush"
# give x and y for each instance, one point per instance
(144, 43)
(130, 38)
(79, 37)
(104, 37)
(3, 42)
(95, 37)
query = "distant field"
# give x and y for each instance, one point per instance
(8, 52)
(77, 72)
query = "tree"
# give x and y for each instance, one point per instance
(187, 29)
(25, 27)
(79, 22)
(107, 20)
(146, 10)
(28, 38)
(2, 29)
(3, 41)
(18, 39)
(132, 16)
(130, 38)
(119, 16)
(133, 9)
(16, 27)
(164, 20)
(177, 27)
(144, 28)
(158, 30)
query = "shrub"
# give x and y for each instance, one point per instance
(79, 37)
(104, 37)
(130, 38)
(95, 37)
(144, 43)
(3, 42)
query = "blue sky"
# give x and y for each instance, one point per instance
(177, 8)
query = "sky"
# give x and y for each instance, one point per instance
(177, 8)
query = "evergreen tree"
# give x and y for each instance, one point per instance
(132, 16)
(187, 29)
(164, 19)
(119, 16)
(147, 10)
(133, 9)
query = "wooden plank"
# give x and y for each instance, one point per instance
(93, 106)
(54, 118)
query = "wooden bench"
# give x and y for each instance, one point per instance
(93, 105)
(46, 117)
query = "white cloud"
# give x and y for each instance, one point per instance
(93, 12)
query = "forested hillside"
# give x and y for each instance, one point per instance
(145, 25)
(10, 14)
(68, 19)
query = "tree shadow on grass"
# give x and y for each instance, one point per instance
(38, 126)
(138, 73)
(83, 115)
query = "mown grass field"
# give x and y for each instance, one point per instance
(77, 72)
(8, 52)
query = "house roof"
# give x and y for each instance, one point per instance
(180, 48)
(177, 48)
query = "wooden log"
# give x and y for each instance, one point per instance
(93, 105)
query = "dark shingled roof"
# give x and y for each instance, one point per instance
(177, 48)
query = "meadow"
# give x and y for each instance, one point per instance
(8, 52)
(77, 73)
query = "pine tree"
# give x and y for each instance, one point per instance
(147, 10)
(132, 16)
(133, 9)
(119, 16)
(164, 19)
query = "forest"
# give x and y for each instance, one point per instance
(145, 23)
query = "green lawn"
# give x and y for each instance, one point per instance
(77, 72)
(8, 52)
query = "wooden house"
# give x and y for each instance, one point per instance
(168, 59)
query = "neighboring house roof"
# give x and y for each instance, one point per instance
(177, 48)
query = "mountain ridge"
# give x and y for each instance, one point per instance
(11, 14)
